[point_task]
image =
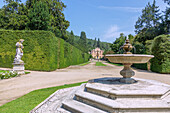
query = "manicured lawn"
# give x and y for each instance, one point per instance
(100, 64)
(29, 101)
(116, 64)
(84, 64)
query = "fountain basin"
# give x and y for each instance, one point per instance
(129, 58)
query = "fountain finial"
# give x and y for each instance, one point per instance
(127, 47)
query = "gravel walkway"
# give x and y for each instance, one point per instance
(13, 88)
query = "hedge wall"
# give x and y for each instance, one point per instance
(161, 50)
(42, 50)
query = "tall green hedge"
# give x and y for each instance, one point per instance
(161, 50)
(42, 50)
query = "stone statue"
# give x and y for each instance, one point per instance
(19, 52)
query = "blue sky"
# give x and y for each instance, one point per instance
(104, 19)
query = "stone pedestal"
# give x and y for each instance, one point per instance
(127, 73)
(19, 68)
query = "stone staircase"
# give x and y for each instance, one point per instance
(104, 98)
(108, 95)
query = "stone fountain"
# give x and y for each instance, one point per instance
(128, 59)
(110, 94)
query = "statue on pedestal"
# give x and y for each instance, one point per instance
(18, 64)
(19, 52)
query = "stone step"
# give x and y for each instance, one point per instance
(61, 110)
(111, 93)
(78, 107)
(110, 105)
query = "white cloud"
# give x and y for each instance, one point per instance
(113, 32)
(91, 28)
(128, 9)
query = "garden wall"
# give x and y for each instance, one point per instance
(42, 50)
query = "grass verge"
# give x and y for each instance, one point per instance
(29, 101)
(100, 64)
(84, 64)
(116, 64)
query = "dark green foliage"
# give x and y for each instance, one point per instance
(83, 42)
(161, 51)
(35, 15)
(98, 43)
(148, 24)
(91, 44)
(95, 43)
(140, 66)
(71, 38)
(42, 50)
(118, 43)
(39, 16)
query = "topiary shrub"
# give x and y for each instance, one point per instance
(161, 50)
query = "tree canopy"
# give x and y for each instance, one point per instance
(34, 15)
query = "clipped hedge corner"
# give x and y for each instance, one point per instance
(42, 50)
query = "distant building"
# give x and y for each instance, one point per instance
(97, 53)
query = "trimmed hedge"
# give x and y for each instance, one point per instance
(161, 50)
(140, 66)
(42, 50)
(144, 50)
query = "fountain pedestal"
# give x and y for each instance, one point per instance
(127, 73)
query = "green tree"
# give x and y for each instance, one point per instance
(150, 17)
(13, 15)
(166, 21)
(39, 16)
(83, 42)
(95, 43)
(18, 16)
(98, 43)
(71, 38)
(147, 25)
(118, 43)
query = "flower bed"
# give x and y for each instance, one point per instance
(7, 74)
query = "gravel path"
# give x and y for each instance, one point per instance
(13, 88)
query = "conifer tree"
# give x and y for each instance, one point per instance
(83, 42)
(95, 43)
(98, 43)
(148, 24)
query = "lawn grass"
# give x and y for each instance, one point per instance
(116, 64)
(29, 101)
(100, 64)
(84, 64)
(3, 71)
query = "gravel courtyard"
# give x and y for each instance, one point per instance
(13, 88)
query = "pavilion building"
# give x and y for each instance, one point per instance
(97, 53)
